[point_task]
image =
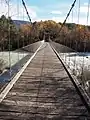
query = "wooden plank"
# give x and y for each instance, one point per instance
(10, 85)
(48, 94)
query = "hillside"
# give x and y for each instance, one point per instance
(20, 22)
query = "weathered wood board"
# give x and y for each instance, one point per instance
(43, 92)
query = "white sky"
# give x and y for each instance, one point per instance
(51, 12)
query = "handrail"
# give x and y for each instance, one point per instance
(83, 95)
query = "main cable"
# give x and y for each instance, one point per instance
(68, 14)
(26, 10)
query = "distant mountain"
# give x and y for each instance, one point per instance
(20, 22)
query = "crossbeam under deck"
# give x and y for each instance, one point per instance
(43, 92)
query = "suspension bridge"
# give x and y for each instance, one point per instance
(44, 81)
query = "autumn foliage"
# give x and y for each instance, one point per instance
(72, 35)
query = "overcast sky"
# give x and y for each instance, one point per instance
(46, 10)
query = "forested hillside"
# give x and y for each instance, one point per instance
(18, 23)
(72, 35)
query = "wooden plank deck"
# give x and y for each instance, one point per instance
(43, 92)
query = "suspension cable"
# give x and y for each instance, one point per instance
(72, 15)
(8, 2)
(18, 35)
(85, 42)
(23, 33)
(88, 14)
(75, 60)
(70, 42)
(68, 14)
(79, 11)
(84, 49)
(26, 10)
(88, 11)
(1, 45)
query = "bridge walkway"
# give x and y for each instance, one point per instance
(43, 92)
